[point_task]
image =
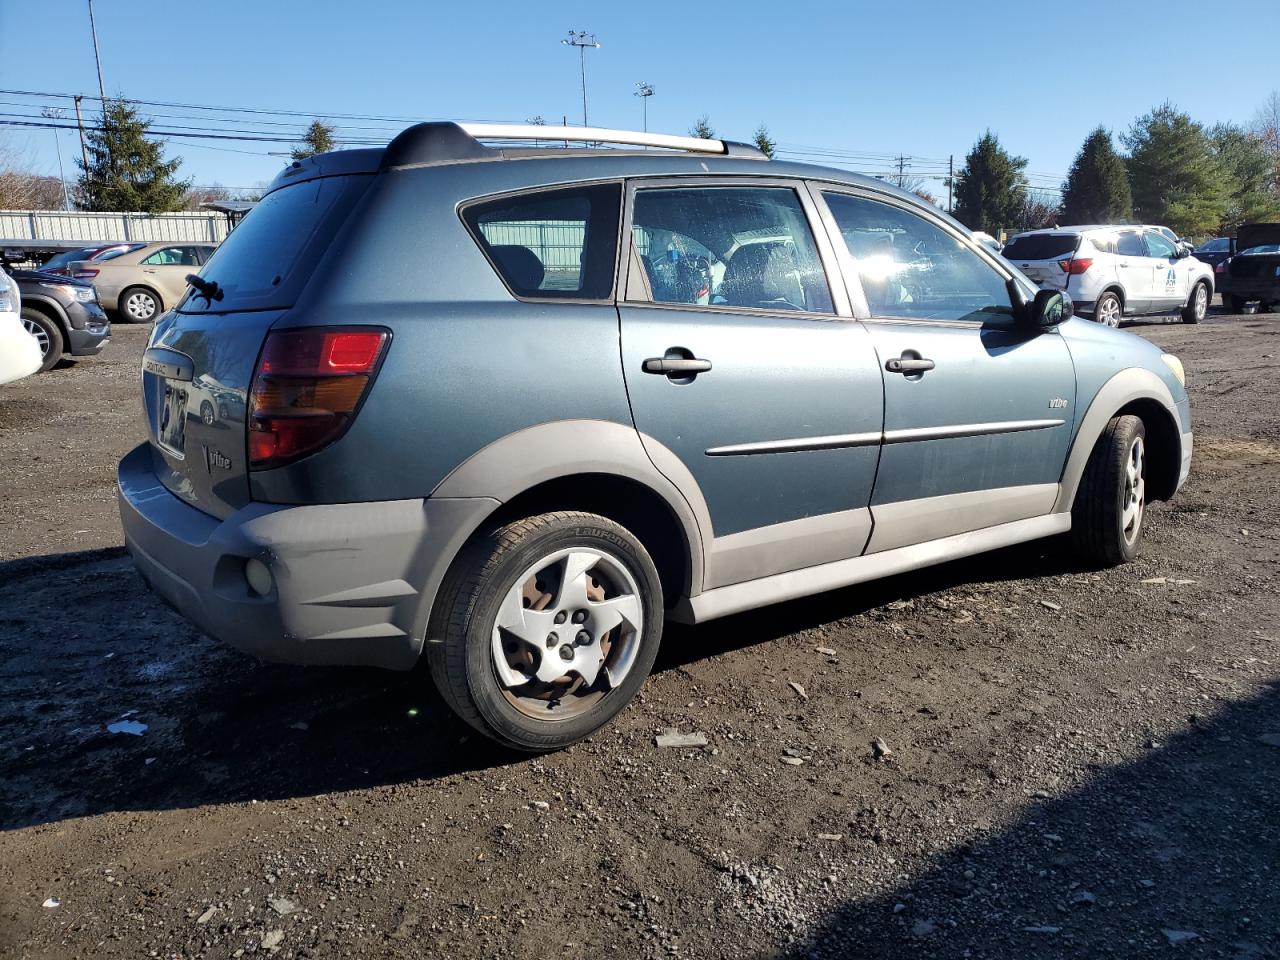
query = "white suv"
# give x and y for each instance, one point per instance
(1111, 272)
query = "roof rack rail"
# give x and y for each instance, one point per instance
(443, 141)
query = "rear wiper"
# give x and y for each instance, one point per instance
(208, 289)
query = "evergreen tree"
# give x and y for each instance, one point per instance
(1097, 187)
(1175, 179)
(764, 142)
(319, 138)
(1252, 196)
(703, 128)
(127, 170)
(991, 189)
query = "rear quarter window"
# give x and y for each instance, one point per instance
(552, 244)
(1040, 246)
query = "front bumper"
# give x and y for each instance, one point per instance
(1185, 470)
(353, 583)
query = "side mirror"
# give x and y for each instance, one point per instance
(1049, 309)
(1182, 250)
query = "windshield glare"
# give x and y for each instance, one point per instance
(1265, 248)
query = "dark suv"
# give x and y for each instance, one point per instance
(63, 314)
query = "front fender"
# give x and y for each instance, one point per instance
(1124, 388)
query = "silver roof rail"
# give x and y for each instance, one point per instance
(445, 142)
(520, 131)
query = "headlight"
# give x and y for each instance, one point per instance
(1174, 364)
(86, 294)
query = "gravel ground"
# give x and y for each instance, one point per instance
(1007, 756)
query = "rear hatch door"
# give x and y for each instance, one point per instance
(1038, 255)
(200, 361)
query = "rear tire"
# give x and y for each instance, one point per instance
(49, 335)
(1110, 505)
(1233, 303)
(139, 305)
(1107, 311)
(1266, 306)
(546, 628)
(1197, 304)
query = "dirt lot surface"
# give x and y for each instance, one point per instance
(1078, 763)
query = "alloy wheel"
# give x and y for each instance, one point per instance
(1135, 491)
(140, 306)
(1109, 312)
(39, 332)
(1202, 301)
(567, 633)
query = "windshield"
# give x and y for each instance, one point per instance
(1040, 246)
(1265, 248)
(1217, 245)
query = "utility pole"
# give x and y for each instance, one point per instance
(644, 91)
(581, 39)
(902, 163)
(84, 150)
(102, 89)
(951, 175)
(57, 113)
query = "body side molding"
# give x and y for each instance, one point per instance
(904, 522)
(723, 601)
(792, 545)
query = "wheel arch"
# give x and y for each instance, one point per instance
(1142, 393)
(50, 308)
(602, 467)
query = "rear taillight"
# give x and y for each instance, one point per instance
(1075, 267)
(86, 273)
(1221, 267)
(307, 388)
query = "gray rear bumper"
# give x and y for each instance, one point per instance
(353, 583)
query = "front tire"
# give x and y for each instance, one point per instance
(1197, 305)
(1106, 519)
(47, 333)
(546, 628)
(1107, 311)
(139, 305)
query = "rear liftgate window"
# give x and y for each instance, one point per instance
(555, 244)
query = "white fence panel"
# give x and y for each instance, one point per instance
(75, 227)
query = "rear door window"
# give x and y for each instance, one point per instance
(553, 244)
(1130, 245)
(745, 247)
(1040, 246)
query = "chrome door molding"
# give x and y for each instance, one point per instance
(914, 435)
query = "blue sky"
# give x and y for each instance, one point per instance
(918, 78)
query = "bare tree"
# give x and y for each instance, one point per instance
(1266, 127)
(21, 189)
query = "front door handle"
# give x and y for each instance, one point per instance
(908, 365)
(676, 366)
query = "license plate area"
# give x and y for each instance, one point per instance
(172, 426)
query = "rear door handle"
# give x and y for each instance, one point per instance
(677, 366)
(908, 365)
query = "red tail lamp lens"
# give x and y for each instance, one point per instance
(307, 388)
(1075, 267)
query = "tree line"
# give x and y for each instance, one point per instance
(1198, 180)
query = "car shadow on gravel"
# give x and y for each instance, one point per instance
(1181, 846)
(84, 646)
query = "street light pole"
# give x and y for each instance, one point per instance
(644, 91)
(581, 39)
(57, 113)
